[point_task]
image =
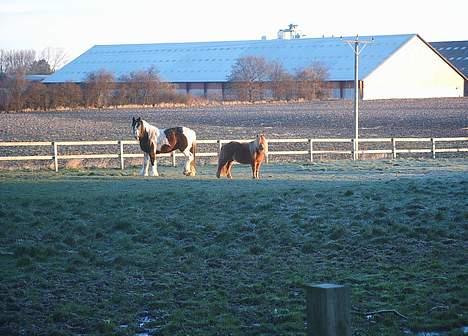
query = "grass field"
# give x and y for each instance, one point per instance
(87, 252)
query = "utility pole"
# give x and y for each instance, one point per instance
(357, 49)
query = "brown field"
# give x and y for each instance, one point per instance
(384, 118)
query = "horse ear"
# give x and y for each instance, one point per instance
(133, 119)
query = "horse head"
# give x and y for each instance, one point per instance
(137, 127)
(261, 143)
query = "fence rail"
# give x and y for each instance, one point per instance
(310, 151)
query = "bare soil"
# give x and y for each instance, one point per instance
(445, 117)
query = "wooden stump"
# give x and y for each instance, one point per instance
(328, 310)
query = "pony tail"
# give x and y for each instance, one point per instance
(194, 151)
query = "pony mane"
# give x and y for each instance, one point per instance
(260, 144)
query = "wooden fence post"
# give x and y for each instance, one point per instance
(328, 310)
(55, 156)
(311, 150)
(393, 148)
(121, 155)
(433, 150)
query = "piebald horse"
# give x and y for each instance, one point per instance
(252, 153)
(155, 140)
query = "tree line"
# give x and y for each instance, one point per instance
(255, 78)
(252, 78)
(99, 89)
(31, 63)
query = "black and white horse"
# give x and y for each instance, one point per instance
(155, 140)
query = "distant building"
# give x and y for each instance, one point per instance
(393, 66)
(36, 78)
(456, 52)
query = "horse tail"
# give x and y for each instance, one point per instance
(194, 152)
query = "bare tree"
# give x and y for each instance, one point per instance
(248, 76)
(168, 94)
(120, 95)
(13, 61)
(310, 82)
(56, 96)
(99, 88)
(281, 82)
(73, 95)
(3, 61)
(39, 67)
(143, 86)
(5, 97)
(17, 85)
(55, 57)
(37, 96)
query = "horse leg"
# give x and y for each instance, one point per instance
(222, 165)
(189, 169)
(257, 168)
(144, 169)
(154, 165)
(228, 169)
(253, 165)
(221, 170)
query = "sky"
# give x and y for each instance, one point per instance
(77, 25)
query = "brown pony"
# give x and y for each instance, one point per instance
(252, 153)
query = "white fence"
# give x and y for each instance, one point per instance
(311, 149)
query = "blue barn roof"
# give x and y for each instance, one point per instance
(456, 52)
(213, 61)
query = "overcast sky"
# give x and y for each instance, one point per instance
(77, 25)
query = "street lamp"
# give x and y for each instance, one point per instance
(357, 46)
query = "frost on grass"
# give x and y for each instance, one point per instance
(91, 254)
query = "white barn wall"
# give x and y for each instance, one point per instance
(413, 71)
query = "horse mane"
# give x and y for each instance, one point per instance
(149, 134)
(254, 146)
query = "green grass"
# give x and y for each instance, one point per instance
(107, 252)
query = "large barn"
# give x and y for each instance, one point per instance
(392, 66)
(456, 52)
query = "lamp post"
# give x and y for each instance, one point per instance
(357, 49)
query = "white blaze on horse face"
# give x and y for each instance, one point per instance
(136, 131)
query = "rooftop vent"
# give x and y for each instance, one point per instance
(289, 33)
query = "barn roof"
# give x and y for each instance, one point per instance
(213, 61)
(456, 52)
